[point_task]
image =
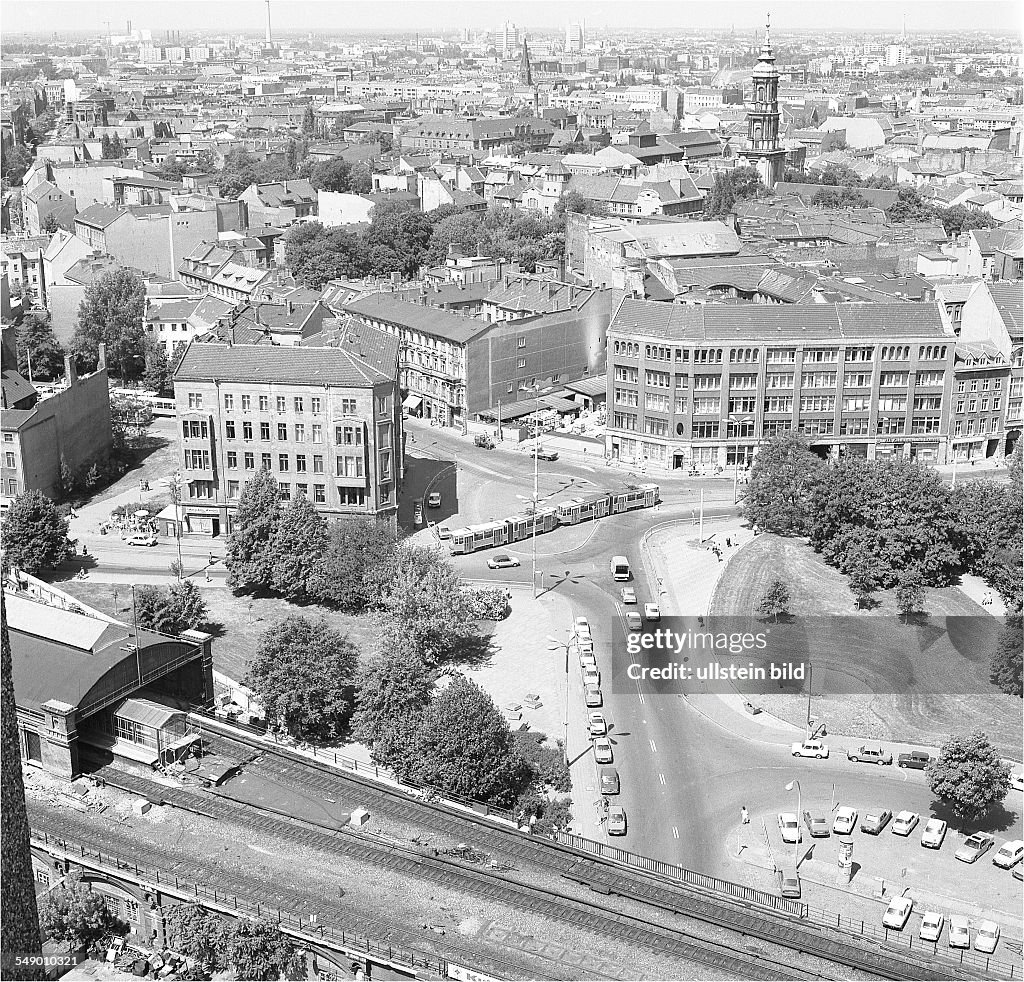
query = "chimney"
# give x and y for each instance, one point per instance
(70, 371)
(101, 351)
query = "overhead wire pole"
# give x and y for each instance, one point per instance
(536, 491)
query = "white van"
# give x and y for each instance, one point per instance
(620, 568)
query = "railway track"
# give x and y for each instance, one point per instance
(773, 927)
(552, 904)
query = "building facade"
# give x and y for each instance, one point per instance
(325, 422)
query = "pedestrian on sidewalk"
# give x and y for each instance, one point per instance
(744, 815)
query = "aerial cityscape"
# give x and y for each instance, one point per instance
(512, 491)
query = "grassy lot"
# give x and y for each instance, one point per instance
(918, 683)
(237, 621)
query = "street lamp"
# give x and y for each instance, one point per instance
(736, 454)
(536, 450)
(799, 801)
(556, 645)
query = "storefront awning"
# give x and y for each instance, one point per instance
(411, 402)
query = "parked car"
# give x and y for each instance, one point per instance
(417, 514)
(810, 748)
(616, 820)
(581, 627)
(609, 780)
(142, 540)
(845, 821)
(628, 595)
(789, 827)
(897, 913)
(934, 833)
(789, 882)
(603, 753)
(916, 759)
(434, 499)
(869, 755)
(1009, 854)
(817, 825)
(543, 454)
(597, 724)
(593, 695)
(987, 937)
(905, 823)
(875, 820)
(931, 925)
(591, 676)
(443, 532)
(959, 932)
(1017, 782)
(634, 622)
(652, 612)
(974, 847)
(587, 658)
(502, 560)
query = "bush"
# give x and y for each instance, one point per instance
(488, 604)
(546, 760)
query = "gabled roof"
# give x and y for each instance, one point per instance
(99, 215)
(429, 320)
(1009, 301)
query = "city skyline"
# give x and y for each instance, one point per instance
(291, 16)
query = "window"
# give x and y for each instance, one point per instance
(898, 352)
(264, 404)
(229, 429)
(232, 459)
(282, 431)
(892, 403)
(818, 404)
(195, 400)
(246, 430)
(779, 380)
(898, 380)
(300, 463)
(232, 489)
(265, 461)
(779, 404)
(348, 436)
(197, 460)
(931, 378)
(282, 404)
(624, 421)
(521, 363)
(385, 465)
(681, 405)
(742, 383)
(302, 490)
(285, 492)
(705, 430)
(818, 380)
(856, 404)
(282, 461)
(626, 397)
(707, 383)
(348, 407)
(297, 402)
(229, 401)
(925, 424)
(9, 460)
(300, 432)
(781, 356)
(623, 374)
(656, 427)
(250, 461)
(857, 380)
(8, 438)
(265, 432)
(246, 403)
(349, 466)
(891, 425)
(711, 406)
(707, 356)
(931, 352)
(318, 464)
(351, 497)
(521, 343)
(818, 356)
(928, 402)
(382, 406)
(860, 354)
(319, 494)
(657, 401)
(745, 404)
(854, 427)
(314, 405)
(318, 433)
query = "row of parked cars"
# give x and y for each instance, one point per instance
(915, 759)
(597, 724)
(932, 922)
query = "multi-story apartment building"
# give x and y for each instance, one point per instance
(454, 134)
(705, 385)
(326, 422)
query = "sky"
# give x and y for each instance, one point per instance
(432, 16)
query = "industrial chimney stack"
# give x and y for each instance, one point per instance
(270, 40)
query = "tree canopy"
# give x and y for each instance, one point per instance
(731, 186)
(784, 478)
(1007, 666)
(969, 776)
(76, 915)
(250, 555)
(37, 343)
(35, 534)
(111, 312)
(297, 550)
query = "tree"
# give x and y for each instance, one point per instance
(298, 550)
(15, 160)
(1007, 666)
(259, 950)
(199, 934)
(546, 760)
(111, 312)
(130, 417)
(774, 601)
(19, 925)
(308, 121)
(909, 593)
(958, 219)
(989, 519)
(186, 606)
(39, 345)
(839, 197)
(908, 207)
(250, 554)
(35, 534)
(969, 776)
(784, 478)
(157, 374)
(105, 147)
(394, 685)
(117, 151)
(465, 747)
(303, 674)
(576, 203)
(332, 175)
(862, 579)
(76, 916)
(50, 225)
(357, 564)
(152, 610)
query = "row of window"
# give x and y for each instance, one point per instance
(348, 497)
(778, 356)
(348, 436)
(345, 465)
(712, 405)
(739, 429)
(348, 407)
(785, 380)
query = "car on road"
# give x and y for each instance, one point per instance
(905, 823)
(817, 825)
(597, 724)
(959, 932)
(591, 675)
(789, 882)
(417, 514)
(543, 454)
(609, 780)
(934, 833)
(634, 622)
(652, 612)
(875, 820)
(1017, 782)
(845, 821)
(917, 759)
(443, 532)
(502, 560)
(581, 627)
(593, 695)
(434, 499)
(810, 748)
(142, 540)
(789, 827)
(587, 658)
(616, 820)
(628, 595)
(974, 847)
(603, 752)
(869, 755)
(897, 913)
(1009, 854)
(931, 925)
(987, 937)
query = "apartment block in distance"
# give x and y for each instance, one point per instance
(326, 422)
(703, 386)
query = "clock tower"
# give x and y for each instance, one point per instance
(762, 150)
